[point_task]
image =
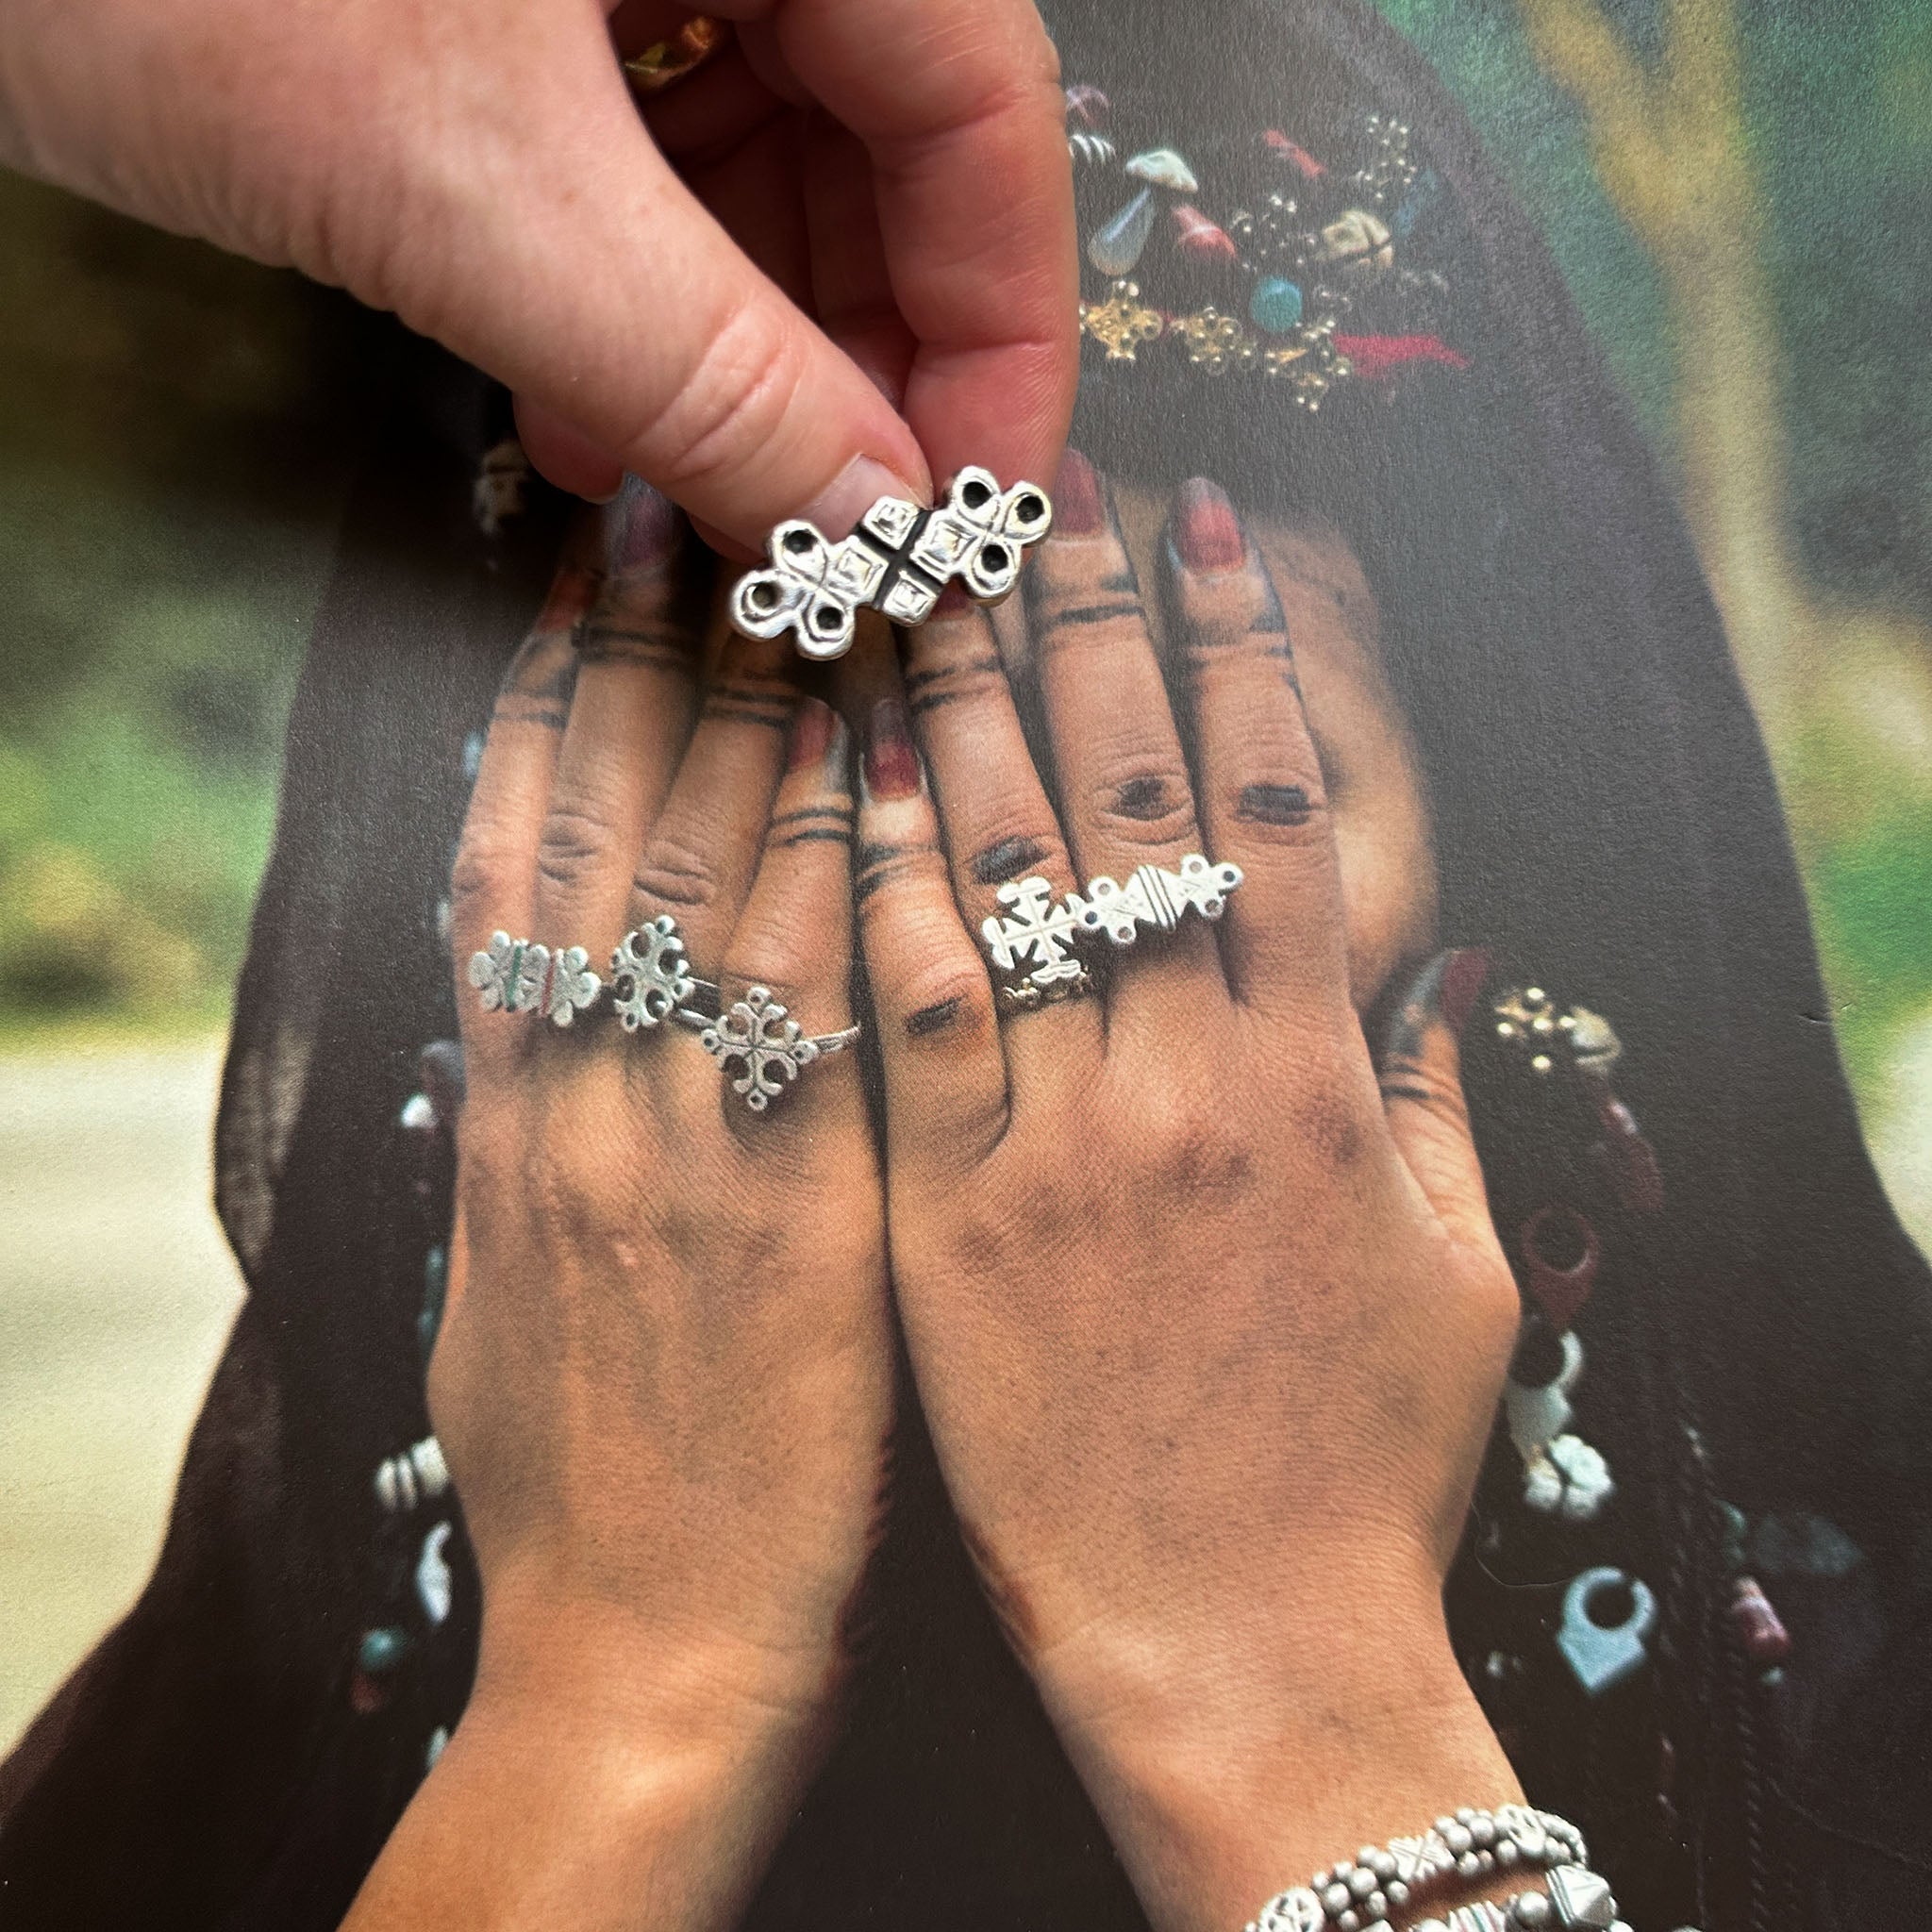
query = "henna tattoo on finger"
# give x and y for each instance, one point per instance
(1276, 805)
(1008, 861)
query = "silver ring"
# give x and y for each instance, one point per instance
(765, 1043)
(518, 976)
(898, 560)
(1032, 941)
(651, 977)
(1155, 897)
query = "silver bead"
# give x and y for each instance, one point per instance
(1397, 1894)
(1486, 1860)
(1506, 1853)
(1465, 1815)
(1335, 1899)
(1382, 1864)
(1375, 1908)
(1350, 1920)
(1469, 1866)
(1361, 1881)
(1457, 1837)
(1530, 1909)
(1482, 1828)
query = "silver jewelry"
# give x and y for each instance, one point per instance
(1155, 896)
(898, 560)
(1358, 1894)
(768, 1047)
(650, 977)
(1036, 929)
(517, 976)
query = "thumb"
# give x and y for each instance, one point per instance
(581, 272)
(1421, 1075)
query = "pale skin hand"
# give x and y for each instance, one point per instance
(663, 1379)
(844, 264)
(1210, 1322)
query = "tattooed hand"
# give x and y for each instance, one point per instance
(663, 1378)
(1209, 1322)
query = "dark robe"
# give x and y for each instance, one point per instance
(229, 1758)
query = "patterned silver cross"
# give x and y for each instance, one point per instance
(517, 977)
(650, 977)
(1038, 929)
(1155, 897)
(767, 1046)
(898, 560)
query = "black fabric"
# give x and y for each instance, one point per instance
(1605, 814)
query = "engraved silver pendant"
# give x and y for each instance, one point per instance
(898, 560)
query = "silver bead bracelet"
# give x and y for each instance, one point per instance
(1358, 1894)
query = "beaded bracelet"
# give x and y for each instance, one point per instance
(1358, 1894)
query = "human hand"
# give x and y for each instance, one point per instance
(860, 208)
(1209, 1325)
(663, 1377)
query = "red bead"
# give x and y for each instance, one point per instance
(366, 1694)
(1759, 1628)
(1299, 159)
(1087, 108)
(1559, 1282)
(1202, 241)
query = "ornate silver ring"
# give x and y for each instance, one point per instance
(651, 979)
(898, 560)
(1031, 942)
(1155, 897)
(760, 1047)
(520, 976)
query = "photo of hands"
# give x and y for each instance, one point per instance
(1184, 1249)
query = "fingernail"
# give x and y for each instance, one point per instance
(1447, 987)
(1078, 507)
(1463, 979)
(651, 528)
(860, 485)
(892, 763)
(812, 726)
(1207, 532)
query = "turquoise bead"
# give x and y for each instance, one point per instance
(435, 1288)
(382, 1650)
(1275, 306)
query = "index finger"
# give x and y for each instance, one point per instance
(958, 103)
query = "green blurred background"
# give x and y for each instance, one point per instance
(1738, 189)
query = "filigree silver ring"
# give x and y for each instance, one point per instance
(760, 1047)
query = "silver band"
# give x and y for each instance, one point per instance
(764, 1043)
(521, 977)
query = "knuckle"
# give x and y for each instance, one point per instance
(674, 872)
(1016, 847)
(484, 862)
(741, 389)
(1144, 799)
(576, 848)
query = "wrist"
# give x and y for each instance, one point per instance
(1231, 1775)
(585, 1795)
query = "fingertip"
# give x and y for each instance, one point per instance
(564, 455)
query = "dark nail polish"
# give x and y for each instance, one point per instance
(891, 765)
(1207, 532)
(1462, 984)
(651, 528)
(1446, 988)
(1078, 508)
(812, 726)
